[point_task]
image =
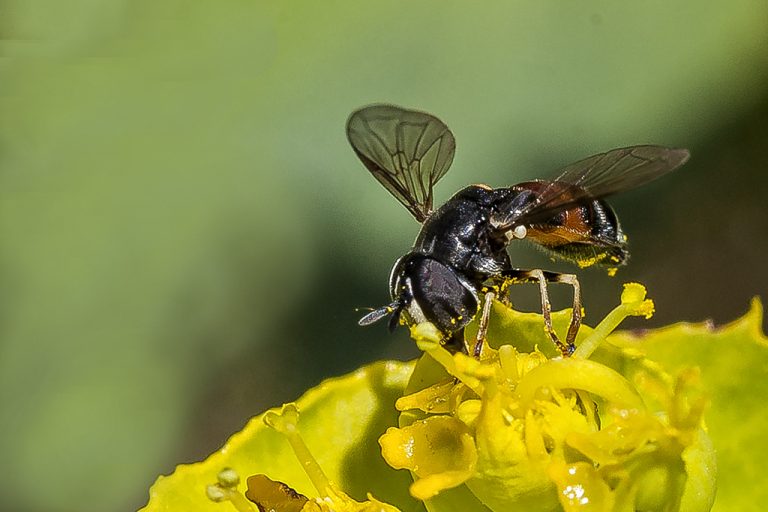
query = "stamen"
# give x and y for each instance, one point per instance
(428, 340)
(226, 490)
(633, 303)
(286, 422)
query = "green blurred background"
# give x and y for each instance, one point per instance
(185, 233)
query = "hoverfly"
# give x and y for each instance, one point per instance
(460, 252)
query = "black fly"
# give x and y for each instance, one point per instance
(461, 248)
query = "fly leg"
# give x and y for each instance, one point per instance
(543, 277)
(573, 328)
(482, 328)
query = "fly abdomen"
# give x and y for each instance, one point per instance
(588, 234)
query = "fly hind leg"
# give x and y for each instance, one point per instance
(542, 277)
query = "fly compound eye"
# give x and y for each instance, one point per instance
(520, 232)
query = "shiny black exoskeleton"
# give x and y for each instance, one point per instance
(461, 247)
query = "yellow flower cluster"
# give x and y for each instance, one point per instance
(525, 432)
(518, 430)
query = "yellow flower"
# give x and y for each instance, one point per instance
(522, 431)
(616, 427)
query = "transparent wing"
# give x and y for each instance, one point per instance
(593, 178)
(406, 151)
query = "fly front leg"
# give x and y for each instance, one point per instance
(543, 277)
(482, 328)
